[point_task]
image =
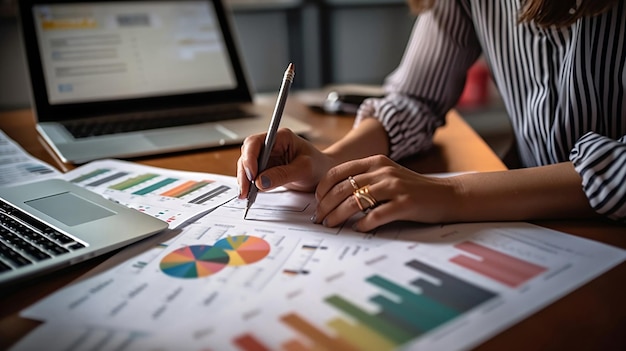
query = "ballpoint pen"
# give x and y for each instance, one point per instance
(271, 133)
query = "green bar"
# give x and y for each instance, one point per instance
(89, 175)
(431, 313)
(388, 330)
(155, 186)
(129, 183)
(405, 314)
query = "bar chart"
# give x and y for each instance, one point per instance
(403, 311)
(152, 184)
(173, 196)
(452, 289)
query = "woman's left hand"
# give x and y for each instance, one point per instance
(397, 193)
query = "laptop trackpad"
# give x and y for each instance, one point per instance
(198, 135)
(69, 208)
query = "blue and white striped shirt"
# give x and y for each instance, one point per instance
(563, 88)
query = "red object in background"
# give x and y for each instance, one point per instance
(476, 91)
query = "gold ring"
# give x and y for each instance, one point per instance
(353, 182)
(364, 198)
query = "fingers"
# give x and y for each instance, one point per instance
(290, 164)
(380, 188)
(356, 168)
(387, 207)
(242, 180)
(247, 163)
(300, 168)
(334, 192)
(382, 214)
(250, 152)
(332, 214)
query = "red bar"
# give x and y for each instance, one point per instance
(248, 342)
(496, 265)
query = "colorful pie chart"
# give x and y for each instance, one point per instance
(194, 261)
(244, 249)
(197, 261)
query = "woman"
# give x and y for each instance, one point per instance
(560, 69)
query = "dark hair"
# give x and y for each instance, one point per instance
(544, 12)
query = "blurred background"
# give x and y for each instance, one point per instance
(332, 42)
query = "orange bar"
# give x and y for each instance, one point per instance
(68, 24)
(179, 189)
(316, 335)
(295, 345)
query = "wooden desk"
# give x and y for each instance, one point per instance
(592, 317)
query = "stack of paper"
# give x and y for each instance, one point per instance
(277, 281)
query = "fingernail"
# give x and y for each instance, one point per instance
(325, 222)
(248, 174)
(314, 218)
(265, 182)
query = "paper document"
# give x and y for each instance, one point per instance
(17, 166)
(218, 260)
(276, 280)
(451, 289)
(173, 196)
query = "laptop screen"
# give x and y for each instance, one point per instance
(104, 51)
(124, 56)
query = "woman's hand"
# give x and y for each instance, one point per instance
(552, 191)
(294, 163)
(400, 193)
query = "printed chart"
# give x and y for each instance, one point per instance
(173, 196)
(457, 286)
(194, 261)
(212, 263)
(17, 166)
(203, 260)
(243, 249)
(402, 315)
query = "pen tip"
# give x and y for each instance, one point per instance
(245, 214)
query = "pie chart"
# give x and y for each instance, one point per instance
(244, 249)
(194, 261)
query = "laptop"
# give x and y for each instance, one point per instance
(128, 78)
(49, 224)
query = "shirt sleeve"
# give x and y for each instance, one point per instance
(601, 162)
(429, 79)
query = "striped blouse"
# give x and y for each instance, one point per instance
(563, 88)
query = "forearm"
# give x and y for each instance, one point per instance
(367, 139)
(553, 191)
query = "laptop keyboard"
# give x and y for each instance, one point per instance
(138, 122)
(25, 240)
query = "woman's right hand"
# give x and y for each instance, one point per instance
(294, 163)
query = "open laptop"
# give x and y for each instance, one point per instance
(109, 78)
(53, 223)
